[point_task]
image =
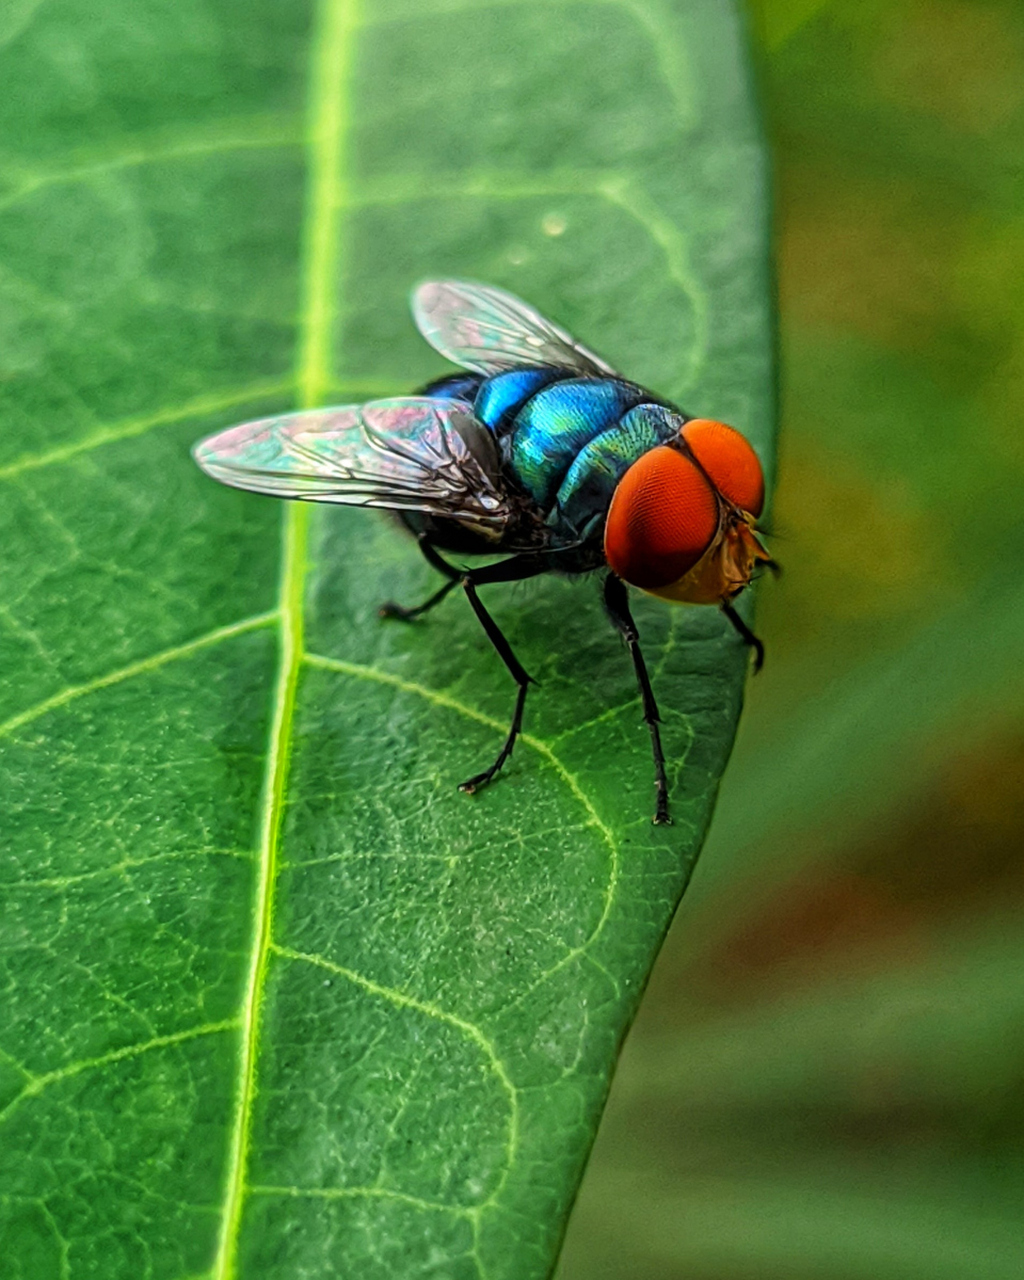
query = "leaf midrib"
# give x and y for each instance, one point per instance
(326, 136)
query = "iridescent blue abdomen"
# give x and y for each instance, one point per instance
(500, 398)
(553, 426)
(566, 441)
(583, 496)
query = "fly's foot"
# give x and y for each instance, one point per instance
(661, 817)
(745, 634)
(473, 785)
(389, 609)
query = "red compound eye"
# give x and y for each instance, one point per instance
(662, 518)
(730, 462)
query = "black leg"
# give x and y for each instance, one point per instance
(515, 570)
(616, 601)
(391, 610)
(746, 634)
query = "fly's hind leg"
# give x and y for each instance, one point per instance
(391, 610)
(746, 634)
(515, 570)
(616, 602)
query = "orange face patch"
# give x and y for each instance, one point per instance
(729, 460)
(663, 517)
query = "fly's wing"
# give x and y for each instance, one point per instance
(488, 330)
(407, 454)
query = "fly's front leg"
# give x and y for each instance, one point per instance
(746, 634)
(616, 602)
(515, 570)
(391, 610)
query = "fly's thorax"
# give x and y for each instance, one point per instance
(453, 386)
(556, 424)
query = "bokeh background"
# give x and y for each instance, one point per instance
(827, 1076)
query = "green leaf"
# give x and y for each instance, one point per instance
(278, 1000)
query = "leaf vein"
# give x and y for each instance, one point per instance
(261, 133)
(445, 700)
(665, 50)
(623, 190)
(402, 1000)
(37, 1083)
(326, 130)
(356, 1193)
(125, 865)
(139, 425)
(144, 665)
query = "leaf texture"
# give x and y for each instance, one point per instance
(279, 1002)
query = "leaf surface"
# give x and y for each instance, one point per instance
(278, 1000)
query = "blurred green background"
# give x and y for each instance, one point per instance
(827, 1076)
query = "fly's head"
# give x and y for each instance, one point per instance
(681, 520)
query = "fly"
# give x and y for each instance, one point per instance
(536, 450)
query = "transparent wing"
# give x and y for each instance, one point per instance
(407, 454)
(488, 330)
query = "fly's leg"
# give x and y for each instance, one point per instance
(519, 675)
(616, 602)
(515, 570)
(391, 610)
(746, 634)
